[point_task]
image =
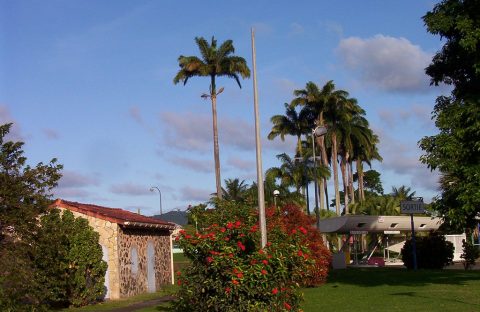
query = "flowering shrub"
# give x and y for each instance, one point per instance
(229, 272)
(293, 219)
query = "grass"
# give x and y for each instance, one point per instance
(373, 289)
(121, 303)
(391, 289)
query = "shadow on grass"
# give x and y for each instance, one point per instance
(370, 277)
(413, 294)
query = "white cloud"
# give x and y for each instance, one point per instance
(296, 29)
(72, 179)
(130, 189)
(51, 134)
(190, 131)
(195, 194)
(388, 63)
(241, 164)
(197, 165)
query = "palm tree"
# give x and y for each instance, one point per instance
(403, 192)
(214, 62)
(235, 190)
(290, 173)
(292, 123)
(365, 153)
(315, 98)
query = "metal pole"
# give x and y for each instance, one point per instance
(315, 180)
(261, 194)
(160, 194)
(414, 246)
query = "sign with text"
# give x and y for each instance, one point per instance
(358, 232)
(412, 206)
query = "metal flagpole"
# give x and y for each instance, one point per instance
(261, 194)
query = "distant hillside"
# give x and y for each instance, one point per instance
(178, 217)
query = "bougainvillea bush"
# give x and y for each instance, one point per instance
(230, 272)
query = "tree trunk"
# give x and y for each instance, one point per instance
(361, 195)
(343, 169)
(350, 181)
(299, 147)
(216, 150)
(335, 172)
(324, 157)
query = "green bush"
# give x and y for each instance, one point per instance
(69, 259)
(470, 254)
(433, 252)
(229, 272)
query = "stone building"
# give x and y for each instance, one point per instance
(137, 249)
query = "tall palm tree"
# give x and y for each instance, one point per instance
(365, 153)
(214, 62)
(339, 111)
(292, 123)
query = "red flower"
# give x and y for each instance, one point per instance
(241, 246)
(179, 273)
(294, 231)
(302, 229)
(227, 239)
(223, 230)
(265, 262)
(261, 251)
(253, 262)
(287, 306)
(300, 253)
(209, 259)
(230, 225)
(227, 290)
(254, 228)
(237, 224)
(240, 275)
(179, 282)
(264, 272)
(230, 255)
(269, 244)
(234, 282)
(275, 291)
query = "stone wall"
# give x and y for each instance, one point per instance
(108, 232)
(133, 283)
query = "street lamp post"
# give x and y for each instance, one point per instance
(317, 132)
(152, 189)
(275, 195)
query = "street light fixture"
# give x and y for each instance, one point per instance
(275, 195)
(152, 189)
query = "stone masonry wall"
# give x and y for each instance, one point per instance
(108, 232)
(135, 283)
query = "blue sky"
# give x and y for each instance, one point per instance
(91, 83)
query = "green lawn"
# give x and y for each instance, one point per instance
(392, 290)
(375, 289)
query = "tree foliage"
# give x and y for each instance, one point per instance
(455, 150)
(433, 252)
(24, 195)
(45, 260)
(69, 258)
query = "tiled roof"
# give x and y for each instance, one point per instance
(114, 215)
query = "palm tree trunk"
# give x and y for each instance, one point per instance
(361, 195)
(216, 149)
(343, 169)
(323, 152)
(335, 172)
(299, 146)
(350, 180)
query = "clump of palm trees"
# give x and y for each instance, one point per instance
(348, 140)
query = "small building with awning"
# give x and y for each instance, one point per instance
(378, 224)
(137, 249)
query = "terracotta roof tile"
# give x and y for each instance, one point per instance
(114, 215)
